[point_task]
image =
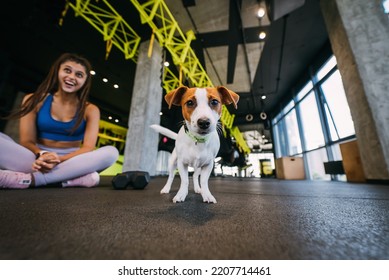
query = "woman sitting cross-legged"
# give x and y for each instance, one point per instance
(58, 133)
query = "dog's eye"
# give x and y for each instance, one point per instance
(190, 103)
(214, 102)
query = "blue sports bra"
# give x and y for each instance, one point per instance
(49, 128)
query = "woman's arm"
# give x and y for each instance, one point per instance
(27, 129)
(92, 117)
(28, 139)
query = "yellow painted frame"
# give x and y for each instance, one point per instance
(170, 36)
(105, 19)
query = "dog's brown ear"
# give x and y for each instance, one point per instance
(228, 96)
(174, 97)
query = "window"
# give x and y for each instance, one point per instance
(278, 138)
(288, 107)
(337, 110)
(385, 4)
(277, 141)
(315, 161)
(327, 67)
(307, 88)
(293, 135)
(313, 133)
(315, 121)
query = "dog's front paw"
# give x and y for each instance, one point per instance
(166, 189)
(197, 189)
(208, 197)
(180, 197)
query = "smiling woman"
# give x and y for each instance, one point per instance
(58, 133)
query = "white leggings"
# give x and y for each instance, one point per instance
(15, 157)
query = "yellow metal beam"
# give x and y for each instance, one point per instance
(170, 81)
(158, 16)
(169, 35)
(105, 19)
(240, 142)
(227, 119)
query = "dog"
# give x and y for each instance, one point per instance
(197, 142)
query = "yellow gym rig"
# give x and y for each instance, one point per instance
(105, 19)
(116, 31)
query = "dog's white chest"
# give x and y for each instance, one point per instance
(196, 157)
(195, 154)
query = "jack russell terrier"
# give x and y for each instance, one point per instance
(197, 142)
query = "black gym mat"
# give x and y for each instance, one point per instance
(253, 219)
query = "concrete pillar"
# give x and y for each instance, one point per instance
(142, 142)
(359, 35)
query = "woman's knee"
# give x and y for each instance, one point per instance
(5, 137)
(110, 154)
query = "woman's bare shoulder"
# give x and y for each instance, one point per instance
(30, 95)
(92, 110)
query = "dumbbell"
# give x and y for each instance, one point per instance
(135, 179)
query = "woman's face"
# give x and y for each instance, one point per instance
(71, 76)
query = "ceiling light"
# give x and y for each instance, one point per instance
(261, 12)
(116, 120)
(116, 86)
(262, 35)
(110, 117)
(166, 63)
(263, 96)
(92, 72)
(160, 113)
(105, 80)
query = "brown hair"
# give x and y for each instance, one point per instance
(50, 85)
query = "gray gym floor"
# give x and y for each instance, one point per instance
(253, 219)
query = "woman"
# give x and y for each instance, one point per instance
(58, 133)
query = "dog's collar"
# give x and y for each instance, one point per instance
(196, 139)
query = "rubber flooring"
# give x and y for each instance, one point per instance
(253, 219)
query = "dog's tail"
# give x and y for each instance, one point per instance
(164, 131)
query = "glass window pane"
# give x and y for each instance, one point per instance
(276, 140)
(277, 118)
(326, 68)
(337, 155)
(339, 111)
(313, 133)
(279, 140)
(315, 161)
(288, 107)
(333, 131)
(307, 88)
(293, 134)
(385, 4)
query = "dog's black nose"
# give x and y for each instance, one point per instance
(203, 123)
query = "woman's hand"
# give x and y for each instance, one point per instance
(46, 162)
